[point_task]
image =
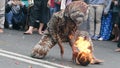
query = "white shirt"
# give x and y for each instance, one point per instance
(63, 4)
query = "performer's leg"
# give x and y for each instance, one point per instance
(42, 47)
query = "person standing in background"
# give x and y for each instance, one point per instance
(115, 20)
(40, 11)
(2, 15)
(106, 25)
(57, 5)
(51, 6)
(97, 7)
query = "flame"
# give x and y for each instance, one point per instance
(84, 56)
(82, 44)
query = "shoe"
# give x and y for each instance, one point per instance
(95, 37)
(10, 26)
(100, 39)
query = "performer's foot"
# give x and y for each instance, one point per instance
(97, 61)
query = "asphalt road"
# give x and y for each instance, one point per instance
(15, 50)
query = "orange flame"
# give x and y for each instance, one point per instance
(83, 45)
(84, 56)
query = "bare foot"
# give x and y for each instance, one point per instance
(115, 40)
(1, 31)
(41, 32)
(117, 50)
(28, 32)
(97, 61)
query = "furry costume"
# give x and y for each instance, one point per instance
(63, 27)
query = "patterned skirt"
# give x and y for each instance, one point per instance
(106, 26)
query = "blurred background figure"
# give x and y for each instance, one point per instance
(57, 5)
(97, 7)
(15, 14)
(51, 6)
(2, 15)
(115, 20)
(39, 12)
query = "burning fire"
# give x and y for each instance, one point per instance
(84, 56)
(82, 44)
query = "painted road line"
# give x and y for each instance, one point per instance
(33, 59)
(26, 60)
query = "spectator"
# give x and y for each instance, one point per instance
(117, 23)
(15, 14)
(51, 5)
(115, 19)
(106, 26)
(2, 15)
(96, 10)
(39, 11)
(57, 5)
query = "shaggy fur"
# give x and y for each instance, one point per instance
(60, 27)
(63, 27)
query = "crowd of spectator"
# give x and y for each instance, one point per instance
(103, 20)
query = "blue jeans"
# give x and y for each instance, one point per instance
(52, 10)
(57, 7)
(9, 17)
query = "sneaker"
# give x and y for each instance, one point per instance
(10, 26)
(95, 37)
(100, 39)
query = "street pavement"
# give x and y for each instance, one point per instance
(15, 50)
